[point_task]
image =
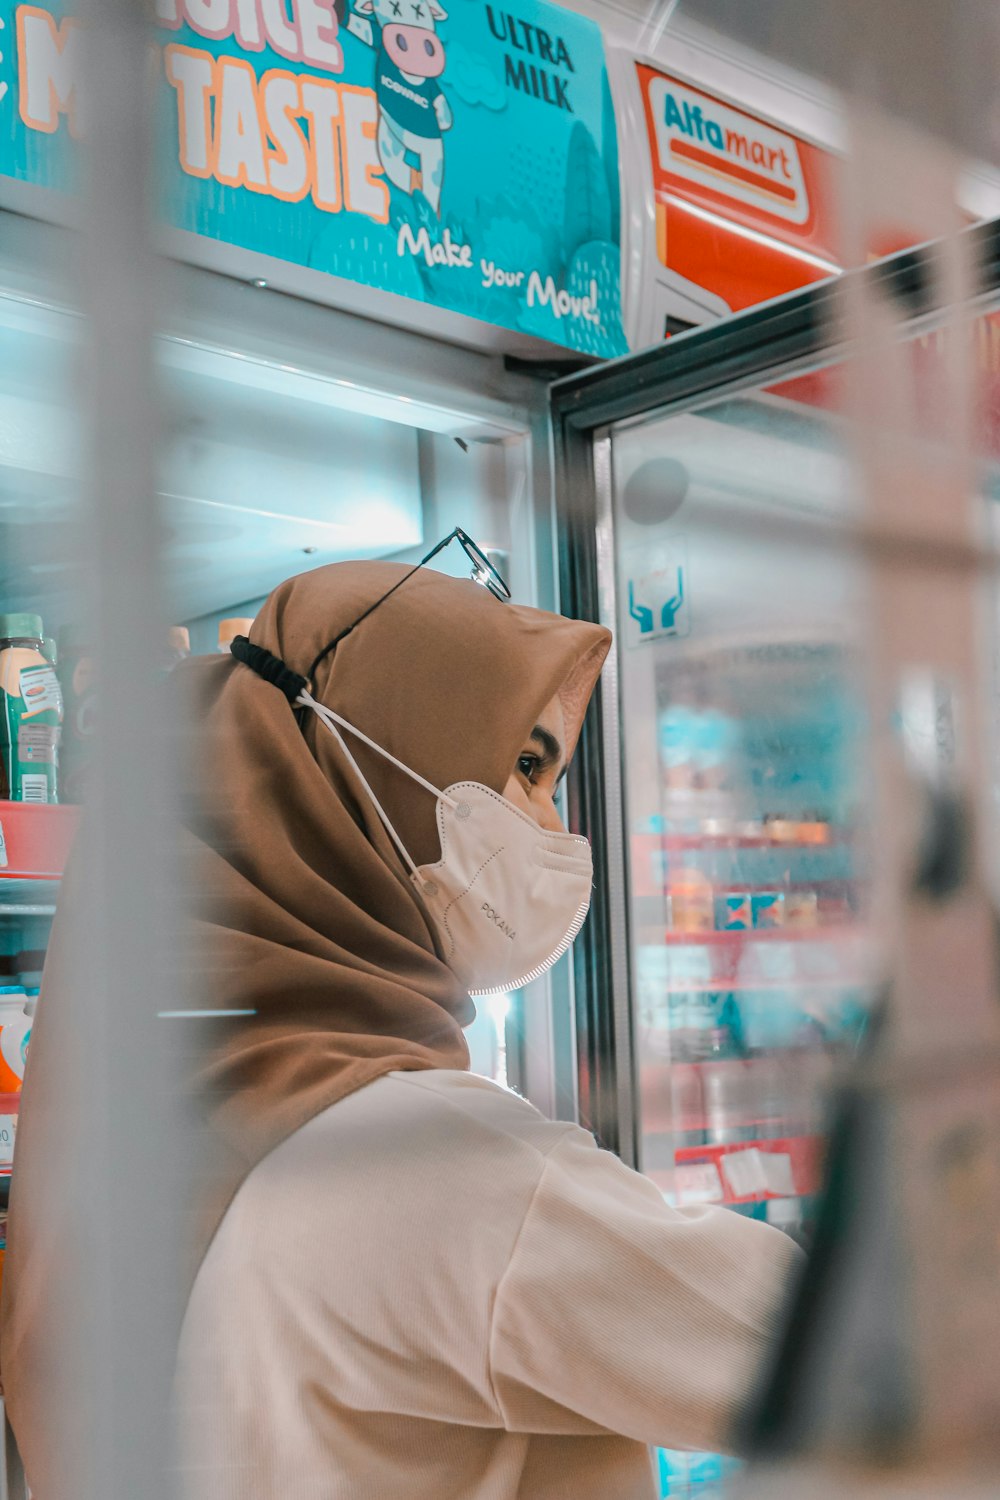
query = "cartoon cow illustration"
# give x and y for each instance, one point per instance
(413, 112)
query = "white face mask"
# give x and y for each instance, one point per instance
(507, 897)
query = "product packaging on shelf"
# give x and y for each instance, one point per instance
(230, 629)
(734, 912)
(31, 713)
(768, 909)
(801, 909)
(690, 901)
(15, 1034)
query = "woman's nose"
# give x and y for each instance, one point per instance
(547, 816)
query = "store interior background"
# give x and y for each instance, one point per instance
(282, 444)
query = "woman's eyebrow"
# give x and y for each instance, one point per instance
(553, 751)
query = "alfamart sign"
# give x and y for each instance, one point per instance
(465, 158)
(732, 153)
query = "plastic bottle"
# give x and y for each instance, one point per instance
(724, 1083)
(675, 739)
(15, 1032)
(230, 629)
(31, 713)
(715, 741)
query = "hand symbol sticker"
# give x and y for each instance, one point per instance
(659, 609)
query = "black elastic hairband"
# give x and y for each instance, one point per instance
(270, 667)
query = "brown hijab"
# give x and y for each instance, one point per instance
(315, 925)
(305, 917)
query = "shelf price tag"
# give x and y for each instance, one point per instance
(698, 1182)
(8, 1127)
(744, 1172)
(752, 1173)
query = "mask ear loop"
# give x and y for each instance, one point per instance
(331, 720)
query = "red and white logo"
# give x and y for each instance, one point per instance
(726, 151)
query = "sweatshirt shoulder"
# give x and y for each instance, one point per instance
(485, 1104)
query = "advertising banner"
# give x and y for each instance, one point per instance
(462, 155)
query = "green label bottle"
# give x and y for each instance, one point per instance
(31, 713)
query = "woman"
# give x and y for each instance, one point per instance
(410, 1281)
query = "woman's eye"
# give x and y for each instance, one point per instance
(527, 765)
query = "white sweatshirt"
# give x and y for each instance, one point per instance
(432, 1292)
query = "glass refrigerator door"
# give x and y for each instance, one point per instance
(755, 896)
(738, 611)
(740, 724)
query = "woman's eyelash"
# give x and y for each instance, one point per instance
(533, 764)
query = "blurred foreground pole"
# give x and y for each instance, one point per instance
(124, 1294)
(889, 1381)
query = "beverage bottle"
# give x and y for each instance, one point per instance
(31, 713)
(724, 1083)
(716, 740)
(230, 629)
(15, 1032)
(770, 1101)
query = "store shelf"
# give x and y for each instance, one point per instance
(34, 846)
(748, 937)
(833, 884)
(22, 898)
(833, 984)
(739, 864)
(645, 843)
(781, 958)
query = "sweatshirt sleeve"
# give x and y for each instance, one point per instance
(618, 1313)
